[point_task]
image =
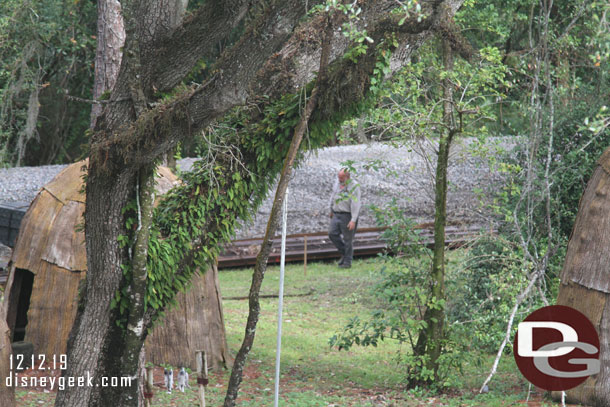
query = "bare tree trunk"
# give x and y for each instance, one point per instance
(110, 40)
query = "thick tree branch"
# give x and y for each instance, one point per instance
(270, 60)
(168, 51)
(252, 61)
(162, 127)
(199, 38)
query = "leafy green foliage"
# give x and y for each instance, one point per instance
(404, 294)
(575, 149)
(408, 106)
(578, 50)
(494, 273)
(357, 36)
(548, 101)
(578, 150)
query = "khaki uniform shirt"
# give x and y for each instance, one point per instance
(346, 198)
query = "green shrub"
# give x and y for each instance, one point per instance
(403, 293)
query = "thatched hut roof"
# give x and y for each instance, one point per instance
(49, 261)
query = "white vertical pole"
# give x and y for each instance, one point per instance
(281, 301)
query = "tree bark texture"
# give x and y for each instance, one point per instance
(110, 39)
(96, 340)
(280, 65)
(584, 278)
(135, 333)
(136, 127)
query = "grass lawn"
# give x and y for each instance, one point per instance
(312, 373)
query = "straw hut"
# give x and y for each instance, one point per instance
(49, 261)
(585, 278)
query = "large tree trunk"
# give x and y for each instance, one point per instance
(96, 339)
(585, 278)
(97, 336)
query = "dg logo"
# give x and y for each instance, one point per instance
(556, 348)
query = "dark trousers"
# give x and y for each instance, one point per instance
(337, 229)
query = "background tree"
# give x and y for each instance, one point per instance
(430, 341)
(46, 50)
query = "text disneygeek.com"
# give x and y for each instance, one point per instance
(40, 363)
(60, 383)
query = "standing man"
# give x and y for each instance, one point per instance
(344, 210)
